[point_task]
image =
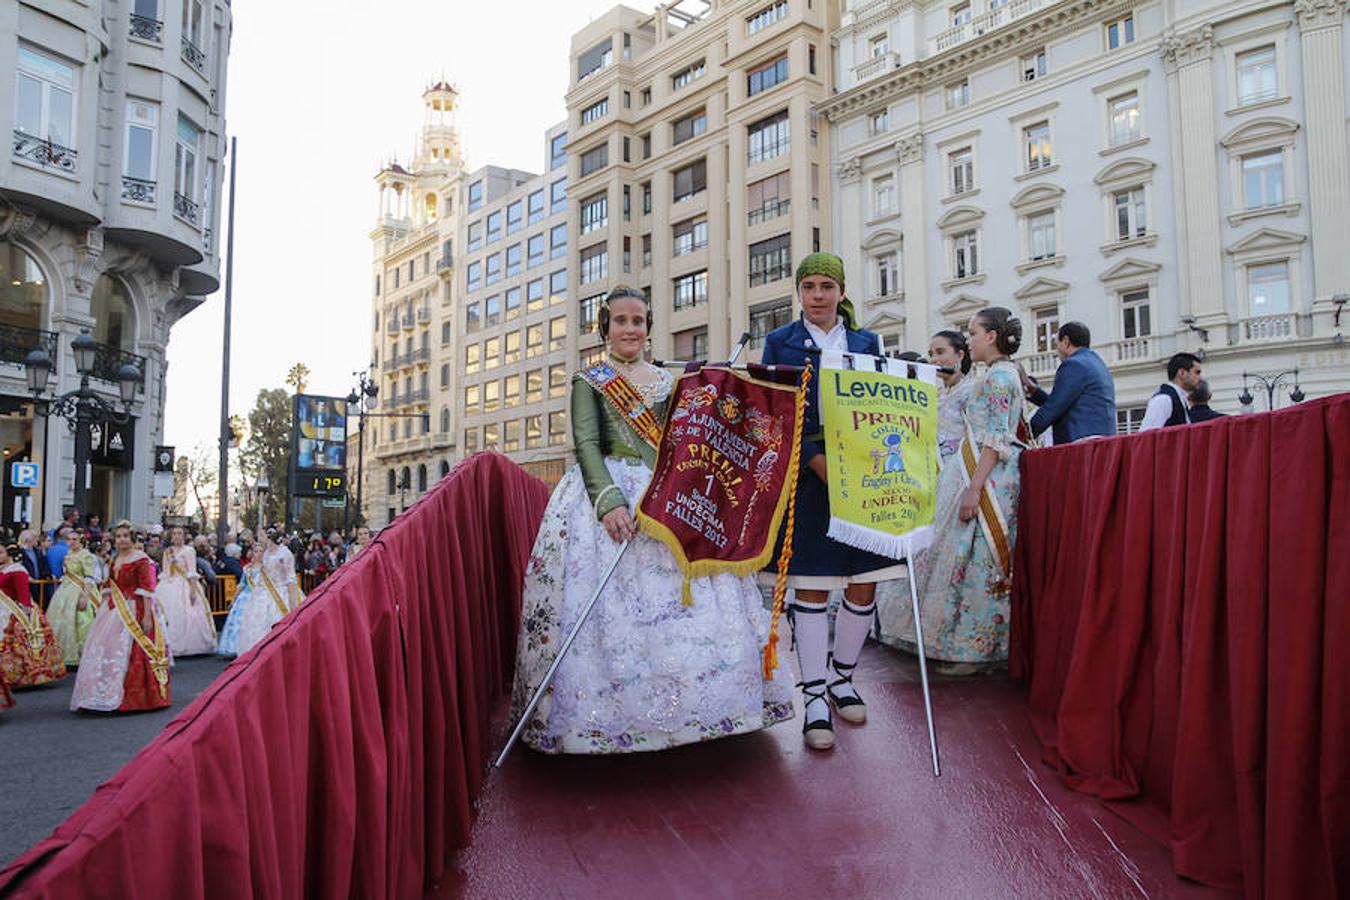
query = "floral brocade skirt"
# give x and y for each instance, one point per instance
(30, 657)
(646, 672)
(71, 624)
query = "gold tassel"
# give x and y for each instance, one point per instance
(686, 595)
(785, 557)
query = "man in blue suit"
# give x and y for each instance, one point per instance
(1083, 400)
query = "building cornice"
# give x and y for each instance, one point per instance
(1315, 14)
(940, 68)
(1186, 48)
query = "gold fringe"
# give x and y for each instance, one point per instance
(785, 557)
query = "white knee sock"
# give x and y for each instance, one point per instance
(850, 632)
(811, 631)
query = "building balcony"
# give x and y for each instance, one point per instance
(390, 364)
(1041, 364)
(1268, 329)
(109, 359)
(186, 209)
(138, 190)
(146, 29)
(1132, 350)
(984, 23)
(16, 342)
(44, 152)
(391, 325)
(424, 315)
(409, 323)
(194, 56)
(445, 267)
(421, 395)
(420, 355)
(875, 66)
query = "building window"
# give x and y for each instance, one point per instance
(473, 275)
(142, 122)
(1268, 289)
(689, 180)
(1135, 314)
(647, 145)
(536, 207)
(492, 395)
(965, 255)
(768, 138)
(1120, 32)
(557, 381)
(471, 394)
(445, 375)
(557, 154)
(769, 198)
(512, 303)
(445, 332)
(690, 235)
(691, 290)
(645, 96)
(962, 166)
(887, 274)
(646, 250)
(511, 348)
(472, 358)
(588, 313)
(557, 287)
(471, 318)
(594, 159)
(475, 195)
(557, 241)
(492, 315)
(557, 333)
(534, 385)
(690, 126)
(595, 111)
(627, 204)
(883, 196)
(513, 259)
(558, 196)
(1124, 118)
(765, 317)
(1131, 214)
(557, 429)
(1041, 235)
(534, 340)
(646, 198)
(770, 260)
(1033, 65)
(1263, 179)
(492, 348)
(1129, 419)
(1047, 329)
(1036, 138)
(958, 95)
(534, 432)
(811, 58)
(685, 76)
(960, 14)
(515, 217)
(766, 17)
(490, 436)
(185, 170)
(691, 344)
(878, 45)
(595, 59)
(475, 236)
(493, 269)
(766, 76)
(877, 122)
(1256, 75)
(534, 250)
(494, 226)
(594, 213)
(594, 262)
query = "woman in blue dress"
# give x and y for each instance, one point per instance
(820, 564)
(228, 645)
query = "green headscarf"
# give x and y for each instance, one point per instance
(831, 267)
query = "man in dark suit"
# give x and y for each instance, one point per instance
(1200, 397)
(34, 562)
(1082, 402)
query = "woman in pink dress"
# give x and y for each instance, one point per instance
(187, 613)
(126, 659)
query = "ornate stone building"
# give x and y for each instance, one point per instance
(109, 210)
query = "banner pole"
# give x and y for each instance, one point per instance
(923, 661)
(557, 660)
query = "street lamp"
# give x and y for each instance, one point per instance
(1271, 383)
(82, 407)
(363, 398)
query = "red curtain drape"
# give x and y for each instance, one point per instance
(339, 757)
(1181, 615)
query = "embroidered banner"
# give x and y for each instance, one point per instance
(717, 496)
(881, 451)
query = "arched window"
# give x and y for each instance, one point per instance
(24, 292)
(421, 479)
(445, 420)
(392, 482)
(114, 315)
(445, 468)
(406, 481)
(445, 377)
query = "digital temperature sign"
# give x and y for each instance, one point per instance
(319, 446)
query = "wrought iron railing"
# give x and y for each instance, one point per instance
(17, 341)
(138, 190)
(109, 359)
(146, 28)
(185, 208)
(194, 55)
(44, 151)
(445, 262)
(421, 354)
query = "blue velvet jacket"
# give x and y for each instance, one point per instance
(1082, 403)
(792, 345)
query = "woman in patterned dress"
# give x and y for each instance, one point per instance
(963, 578)
(229, 646)
(187, 613)
(273, 591)
(126, 660)
(29, 653)
(646, 671)
(76, 600)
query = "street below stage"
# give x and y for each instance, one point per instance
(54, 758)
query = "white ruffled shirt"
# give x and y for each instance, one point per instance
(835, 339)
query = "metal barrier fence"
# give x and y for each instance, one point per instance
(220, 595)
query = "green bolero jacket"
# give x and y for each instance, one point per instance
(599, 432)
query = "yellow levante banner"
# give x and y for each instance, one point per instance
(881, 451)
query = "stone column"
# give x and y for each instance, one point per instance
(914, 251)
(1188, 57)
(850, 211)
(1321, 24)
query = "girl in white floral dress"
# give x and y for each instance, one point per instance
(646, 671)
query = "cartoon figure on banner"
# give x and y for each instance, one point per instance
(892, 455)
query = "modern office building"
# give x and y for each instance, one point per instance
(697, 166)
(109, 223)
(1175, 176)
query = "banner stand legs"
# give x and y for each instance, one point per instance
(923, 662)
(562, 651)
